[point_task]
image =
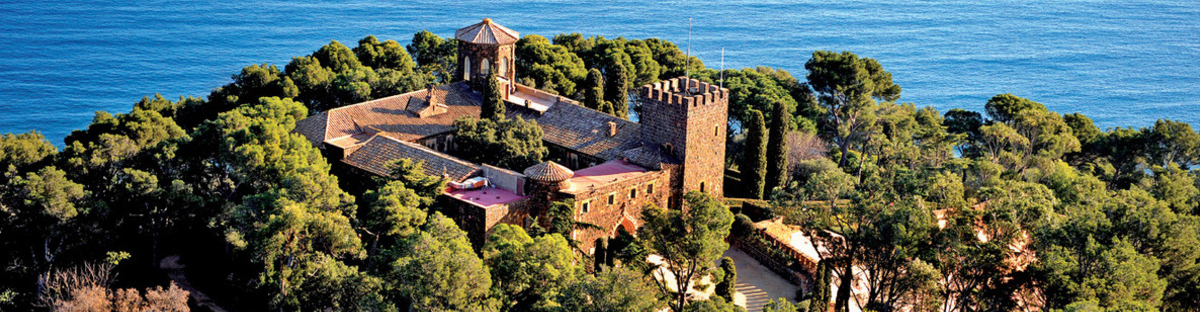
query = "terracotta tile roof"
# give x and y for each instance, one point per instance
(487, 32)
(585, 130)
(565, 123)
(313, 128)
(380, 150)
(548, 172)
(391, 116)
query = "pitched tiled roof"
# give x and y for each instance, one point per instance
(549, 172)
(649, 156)
(313, 128)
(379, 151)
(391, 117)
(565, 123)
(487, 32)
(586, 130)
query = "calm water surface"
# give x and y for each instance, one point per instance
(1123, 63)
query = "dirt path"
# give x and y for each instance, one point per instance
(175, 271)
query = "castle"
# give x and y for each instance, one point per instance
(610, 167)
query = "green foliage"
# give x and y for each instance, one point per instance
(689, 242)
(529, 271)
(593, 92)
(388, 54)
(713, 304)
(781, 305)
(392, 212)
(725, 288)
(552, 67)
(437, 270)
(1173, 142)
(335, 75)
(435, 56)
(822, 286)
(1111, 214)
(777, 147)
(611, 289)
(20, 151)
(507, 143)
(493, 101)
(754, 158)
(848, 88)
(616, 91)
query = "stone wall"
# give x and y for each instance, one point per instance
(651, 188)
(778, 257)
(478, 52)
(692, 126)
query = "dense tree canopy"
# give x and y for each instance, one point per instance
(1018, 207)
(508, 143)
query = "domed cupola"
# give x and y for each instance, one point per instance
(550, 174)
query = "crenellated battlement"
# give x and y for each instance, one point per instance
(683, 90)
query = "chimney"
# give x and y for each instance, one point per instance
(612, 129)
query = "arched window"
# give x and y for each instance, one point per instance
(503, 67)
(466, 68)
(484, 67)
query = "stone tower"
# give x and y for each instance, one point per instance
(687, 118)
(484, 47)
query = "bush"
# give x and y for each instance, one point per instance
(742, 226)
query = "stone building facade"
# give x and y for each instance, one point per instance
(611, 168)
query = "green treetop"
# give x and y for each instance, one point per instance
(754, 157)
(689, 242)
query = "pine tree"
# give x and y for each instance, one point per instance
(593, 92)
(777, 147)
(617, 91)
(754, 157)
(493, 104)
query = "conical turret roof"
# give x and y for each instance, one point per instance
(487, 32)
(549, 172)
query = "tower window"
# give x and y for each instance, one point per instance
(484, 67)
(466, 68)
(612, 199)
(503, 67)
(702, 187)
(717, 130)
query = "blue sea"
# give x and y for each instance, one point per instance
(1123, 63)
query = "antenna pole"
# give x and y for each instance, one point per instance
(722, 67)
(687, 71)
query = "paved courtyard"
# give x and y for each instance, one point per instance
(756, 284)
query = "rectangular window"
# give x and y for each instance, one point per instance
(632, 193)
(612, 199)
(586, 206)
(650, 188)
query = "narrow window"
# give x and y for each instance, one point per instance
(717, 130)
(466, 68)
(702, 186)
(586, 206)
(612, 199)
(650, 188)
(632, 193)
(503, 67)
(484, 67)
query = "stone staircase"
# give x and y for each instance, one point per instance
(755, 298)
